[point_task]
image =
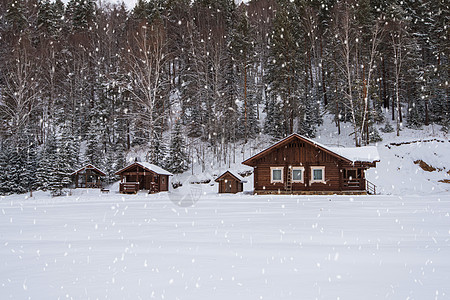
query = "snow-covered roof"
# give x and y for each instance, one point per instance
(363, 154)
(154, 168)
(366, 154)
(88, 166)
(148, 167)
(238, 177)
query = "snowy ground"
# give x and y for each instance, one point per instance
(111, 246)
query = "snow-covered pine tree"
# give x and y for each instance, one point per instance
(70, 148)
(80, 13)
(193, 121)
(120, 154)
(248, 120)
(158, 150)
(274, 124)
(285, 61)
(63, 166)
(46, 163)
(306, 121)
(178, 160)
(15, 171)
(4, 158)
(94, 153)
(49, 17)
(15, 16)
(110, 163)
(30, 166)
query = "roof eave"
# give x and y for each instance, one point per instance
(247, 161)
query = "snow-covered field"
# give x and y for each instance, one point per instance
(111, 246)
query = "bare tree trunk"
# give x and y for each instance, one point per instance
(397, 44)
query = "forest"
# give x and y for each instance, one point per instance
(87, 82)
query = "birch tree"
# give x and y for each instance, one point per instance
(20, 93)
(145, 60)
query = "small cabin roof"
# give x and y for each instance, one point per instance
(235, 175)
(352, 155)
(91, 167)
(147, 166)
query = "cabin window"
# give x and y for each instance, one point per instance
(297, 174)
(318, 174)
(276, 174)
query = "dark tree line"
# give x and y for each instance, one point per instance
(80, 82)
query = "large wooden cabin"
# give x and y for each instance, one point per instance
(298, 165)
(88, 177)
(143, 176)
(230, 182)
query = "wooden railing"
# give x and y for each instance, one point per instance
(354, 183)
(129, 187)
(371, 188)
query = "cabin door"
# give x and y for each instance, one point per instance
(228, 186)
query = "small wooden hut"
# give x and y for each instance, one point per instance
(143, 176)
(230, 182)
(298, 165)
(88, 177)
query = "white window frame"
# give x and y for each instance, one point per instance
(303, 174)
(271, 174)
(323, 174)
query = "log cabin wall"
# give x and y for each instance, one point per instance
(146, 178)
(235, 186)
(297, 153)
(163, 183)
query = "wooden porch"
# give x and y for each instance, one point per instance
(88, 177)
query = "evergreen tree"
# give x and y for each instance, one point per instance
(178, 160)
(63, 164)
(81, 13)
(157, 153)
(49, 19)
(274, 124)
(194, 122)
(306, 121)
(284, 62)
(96, 136)
(111, 163)
(30, 168)
(46, 163)
(4, 159)
(16, 170)
(15, 16)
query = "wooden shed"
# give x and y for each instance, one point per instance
(143, 176)
(88, 177)
(298, 165)
(230, 182)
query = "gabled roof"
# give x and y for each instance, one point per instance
(146, 166)
(235, 175)
(351, 155)
(89, 166)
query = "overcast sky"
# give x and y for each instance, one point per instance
(130, 3)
